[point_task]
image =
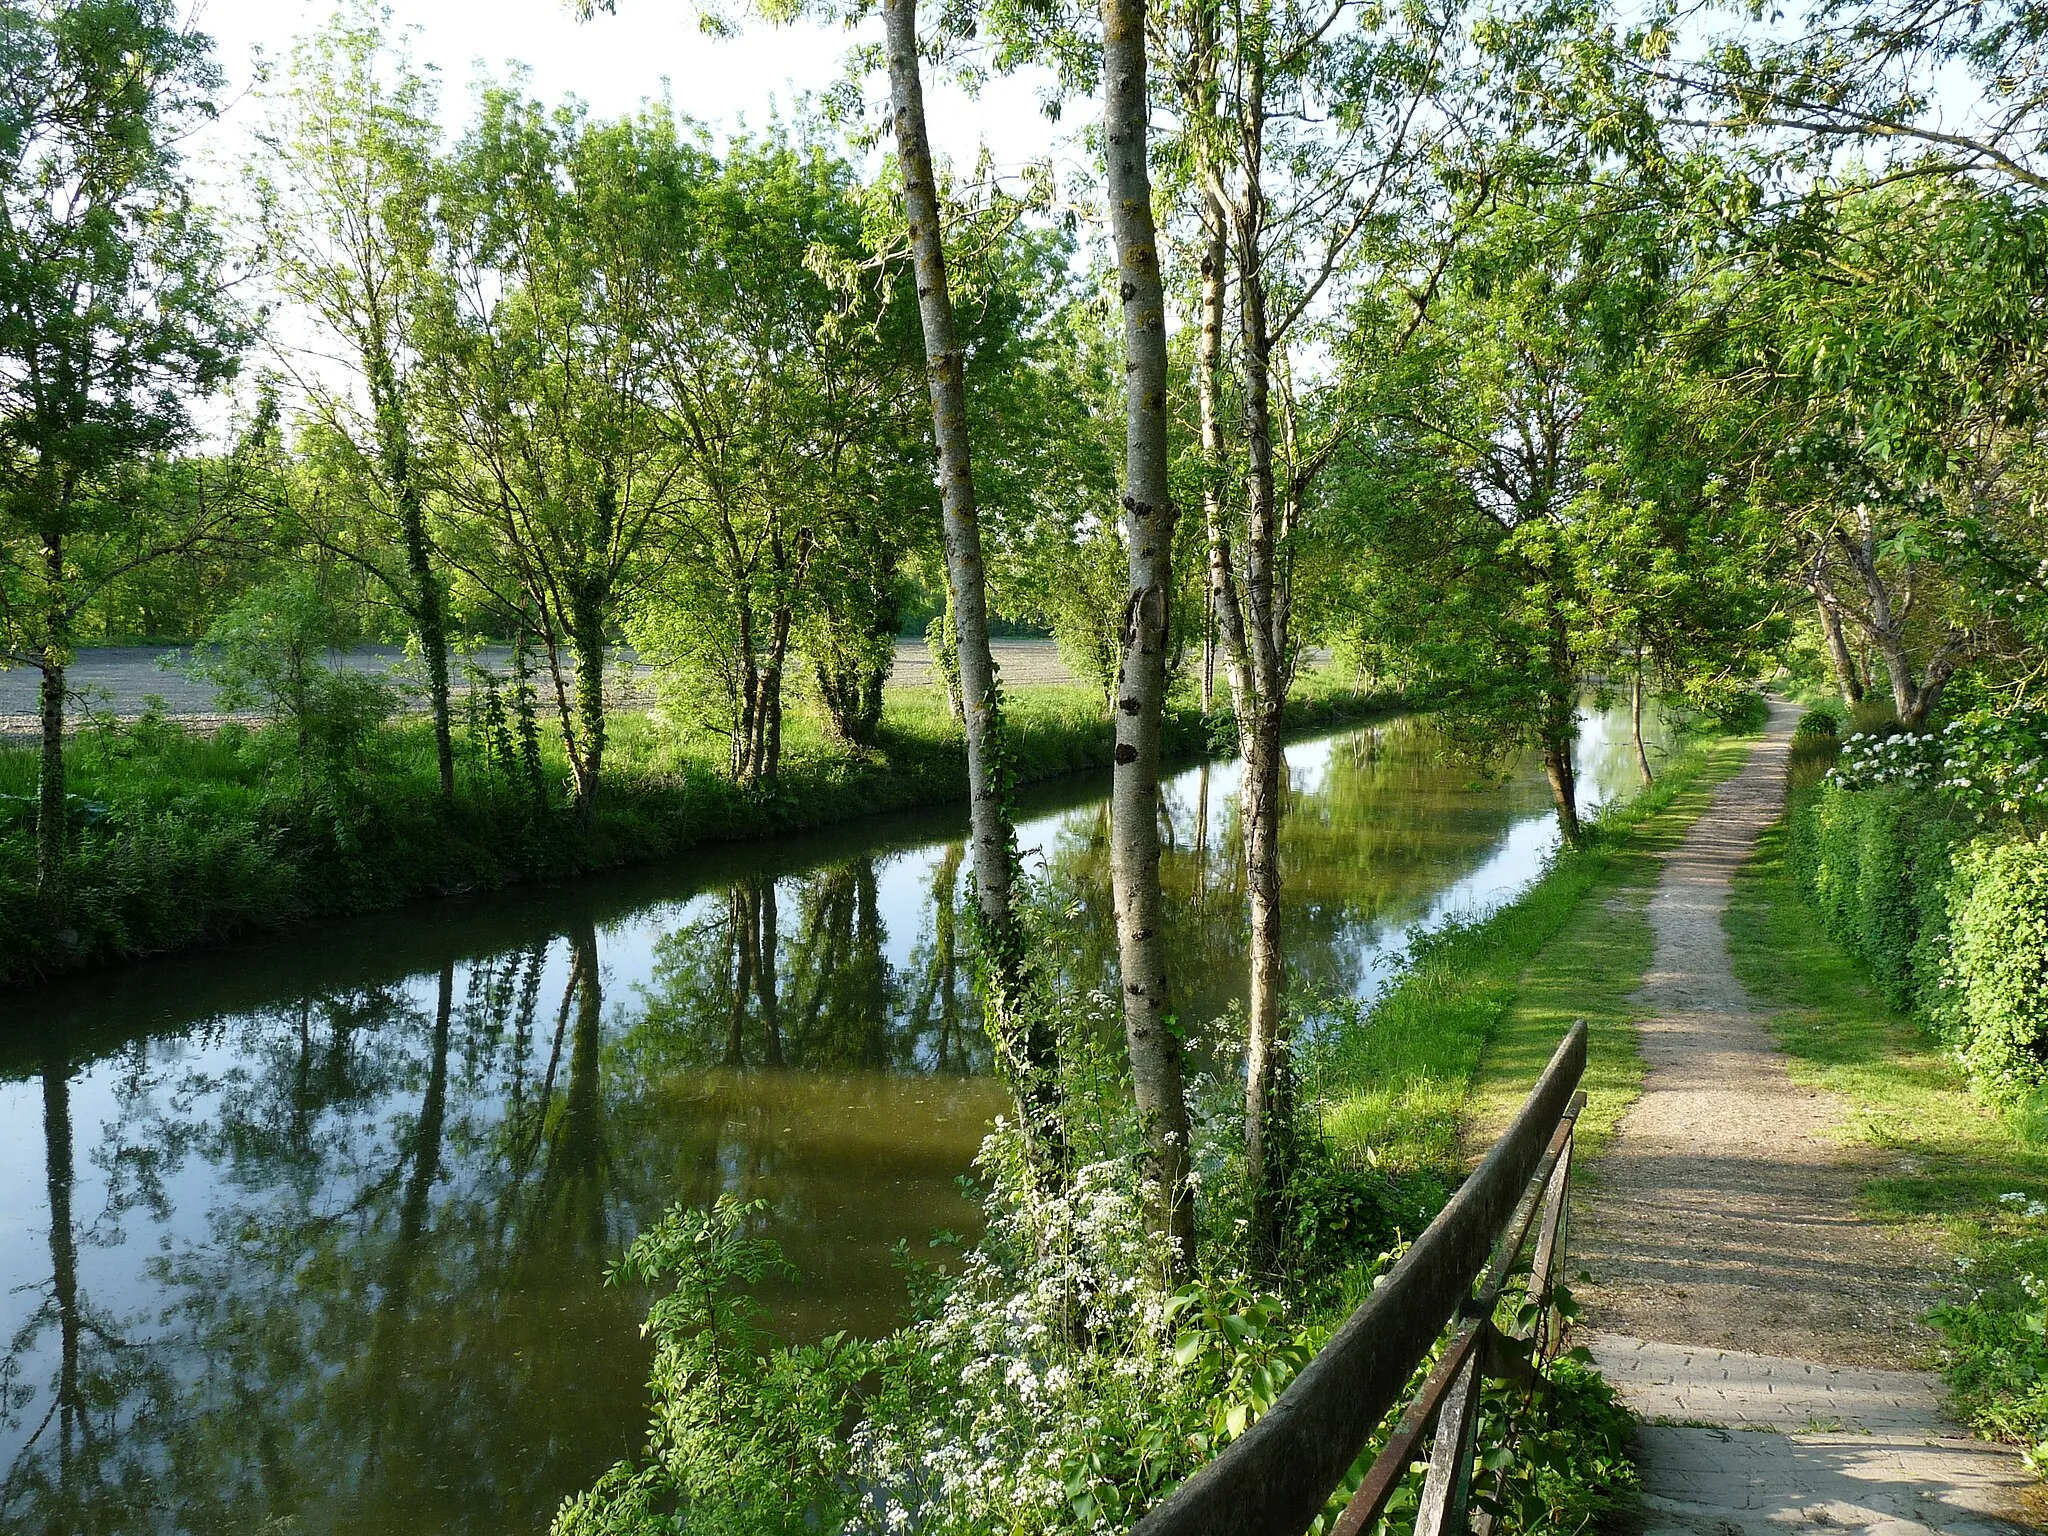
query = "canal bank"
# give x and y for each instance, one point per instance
(185, 837)
(319, 1225)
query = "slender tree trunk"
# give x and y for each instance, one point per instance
(1636, 717)
(1149, 1027)
(588, 762)
(1847, 683)
(56, 657)
(1033, 1059)
(1226, 612)
(429, 605)
(1268, 1074)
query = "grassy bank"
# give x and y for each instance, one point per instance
(1446, 1057)
(185, 837)
(1972, 1177)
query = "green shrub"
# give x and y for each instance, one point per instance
(1996, 1347)
(1818, 722)
(1875, 862)
(1996, 1007)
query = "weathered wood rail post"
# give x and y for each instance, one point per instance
(1274, 1479)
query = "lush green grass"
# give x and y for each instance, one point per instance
(188, 837)
(1444, 1059)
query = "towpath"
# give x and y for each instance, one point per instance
(1762, 1330)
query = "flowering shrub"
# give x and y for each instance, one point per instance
(1908, 850)
(1992, 767)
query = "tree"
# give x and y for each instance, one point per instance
(1306, 158)
(1894, 353)
(1470, 497)
(111, 316)
(541, 363)
(784, 373)
(345, 189)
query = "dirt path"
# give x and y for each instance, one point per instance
(1732, 1280)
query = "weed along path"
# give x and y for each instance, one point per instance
(1733, 1286)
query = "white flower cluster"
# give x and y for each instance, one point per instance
(2033, 1208)
(1993, 766)
(1054, 1343)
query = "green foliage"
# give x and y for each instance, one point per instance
(1818, 723)
(1876, 861)
(207, 836)
(266, 653)
(1997, 1365)
(1996, 1008)
(745, 1437)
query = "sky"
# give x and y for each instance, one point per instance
(613, 62)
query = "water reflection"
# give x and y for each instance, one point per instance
(314, 1231)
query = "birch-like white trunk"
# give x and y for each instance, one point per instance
(1029, 1044)
(1141, 676)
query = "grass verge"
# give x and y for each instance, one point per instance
(1445, 1058)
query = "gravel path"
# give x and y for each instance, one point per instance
(1732, 1279)
(1724, 1213)
(119, 681)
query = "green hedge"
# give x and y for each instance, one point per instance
(1996, 1011)
(1951, 921)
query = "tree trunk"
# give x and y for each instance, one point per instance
(56, 656)
(1033, 1060)
(1847, 683)
(588, 755)
(428, 604)
(1226, 613)
(1141, 675)
(1636, 717)
(1268, 1074)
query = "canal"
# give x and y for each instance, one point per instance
(310, 1235)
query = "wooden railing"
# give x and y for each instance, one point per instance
(1274, 1479)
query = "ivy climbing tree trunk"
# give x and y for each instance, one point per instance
(1026, 1039)
(54, 657)
(1149, 1026)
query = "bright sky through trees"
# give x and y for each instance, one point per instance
(614, 64)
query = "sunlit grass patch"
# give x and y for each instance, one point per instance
(1433, 1071)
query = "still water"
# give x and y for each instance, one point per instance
(310, 1235)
